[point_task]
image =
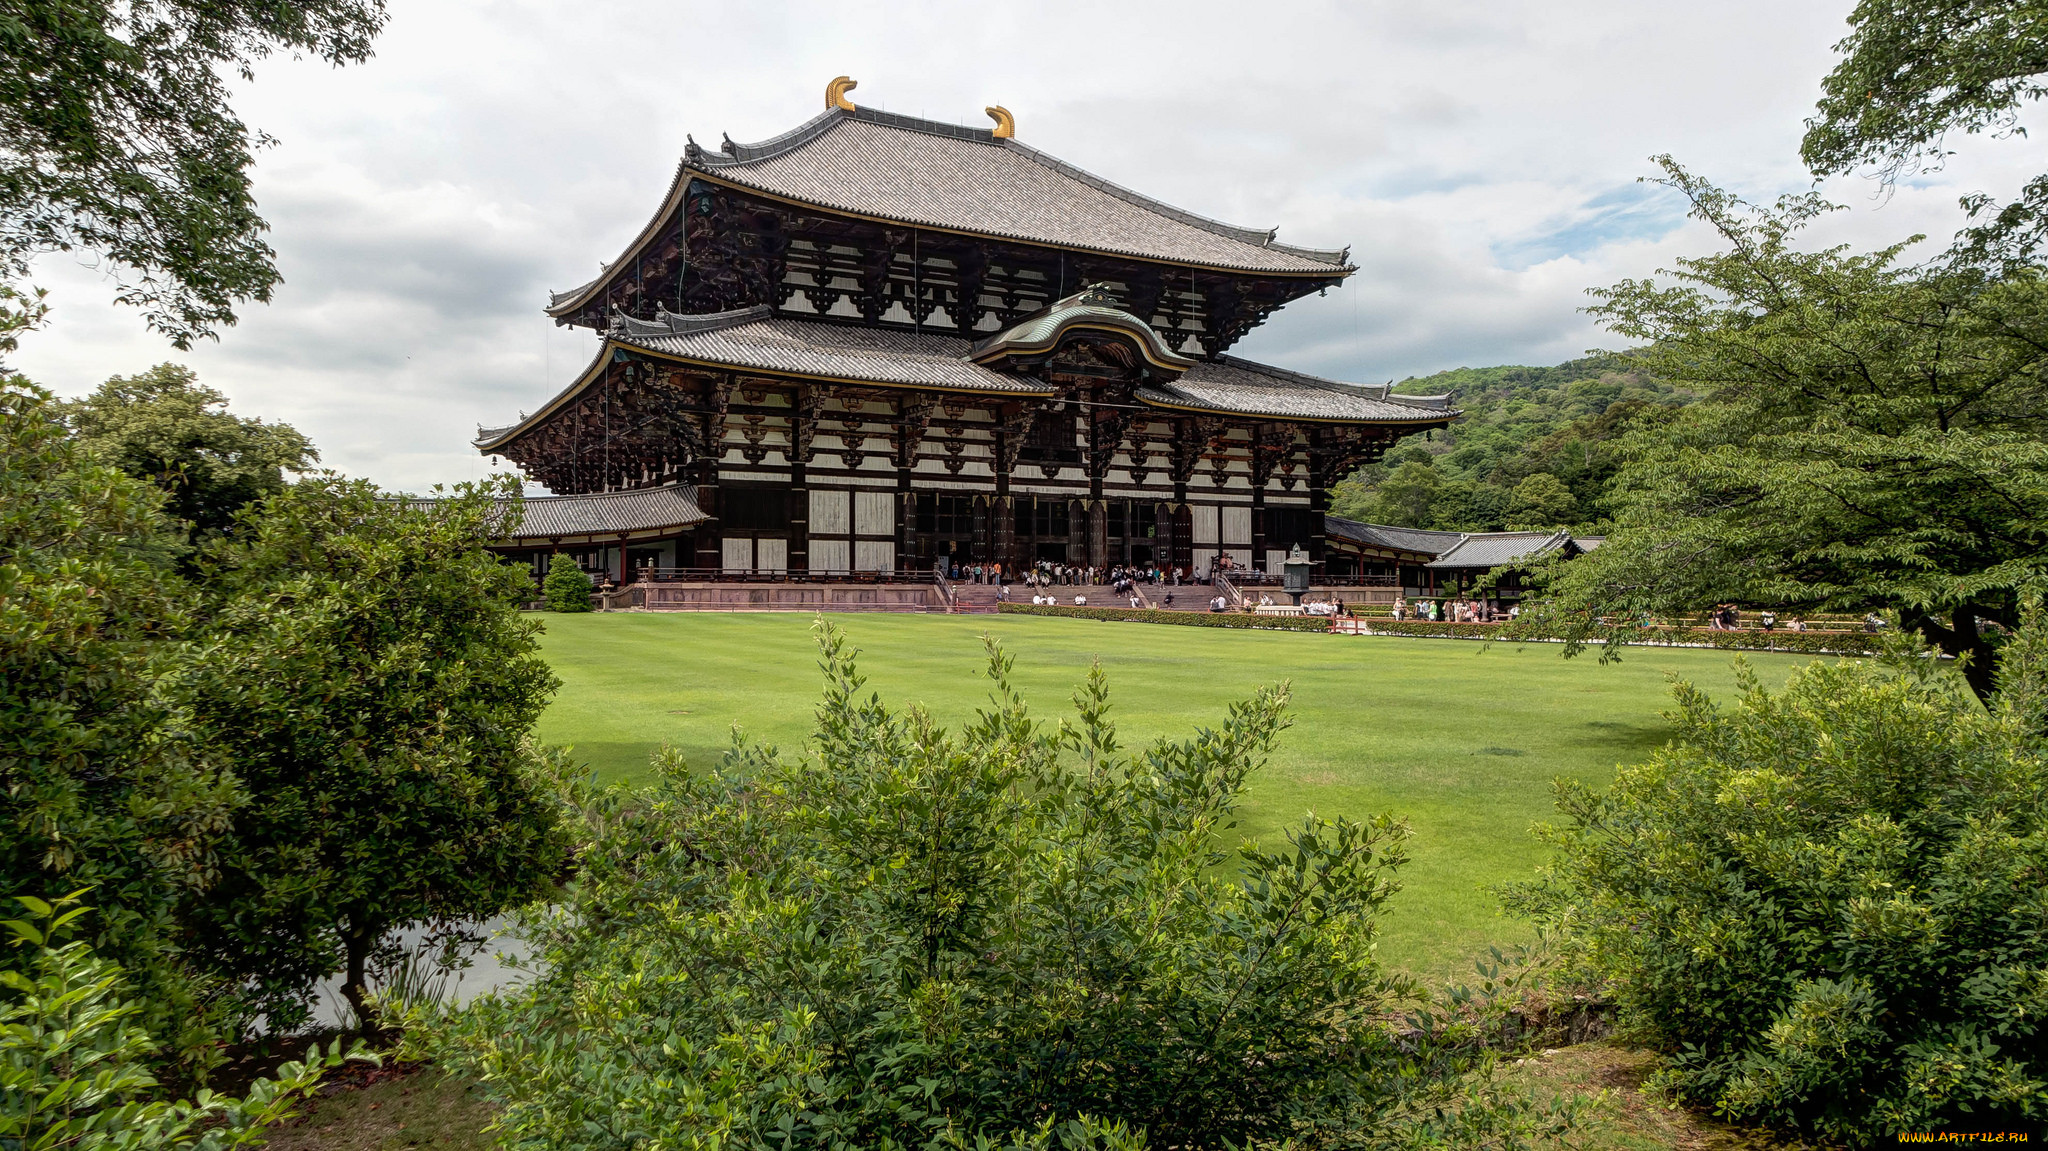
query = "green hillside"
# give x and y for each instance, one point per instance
(1535, 448)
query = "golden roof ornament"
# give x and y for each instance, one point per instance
(1006, 124)
(835, 92)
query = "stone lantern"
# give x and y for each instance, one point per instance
(1295, 579)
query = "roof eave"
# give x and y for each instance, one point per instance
(1417, 424)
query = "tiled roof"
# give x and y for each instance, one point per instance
(756, 338)
(1240, 387)
(1492, 549)
(879, 164)
(1420, 541)
(669, 508)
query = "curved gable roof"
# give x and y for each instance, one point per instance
(1088, 310)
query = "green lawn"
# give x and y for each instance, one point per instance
(1459, 739)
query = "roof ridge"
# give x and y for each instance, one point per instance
(732, 154)
(667, 323)
(1257, 237)
(735, 153)
(1374, 391)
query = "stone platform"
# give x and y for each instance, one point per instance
(868, 597)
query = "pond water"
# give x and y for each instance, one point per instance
(492, 968)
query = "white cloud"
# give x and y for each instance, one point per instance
(1480, 158)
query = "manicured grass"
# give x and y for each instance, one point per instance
(1460, 739)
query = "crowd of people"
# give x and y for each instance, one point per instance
(1728, 617)
(1123, 580)
(1454, 611)
(1046, 574)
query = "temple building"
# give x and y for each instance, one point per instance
(877, 343)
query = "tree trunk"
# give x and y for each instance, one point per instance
(1964, 640)
(355, 984)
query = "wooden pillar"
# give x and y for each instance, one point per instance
(1318, 507)
(1002, 511)
(906, 521)
(1002, 507)
(710, 536)
(799, 522)
(1258, 520)
(1098, 533)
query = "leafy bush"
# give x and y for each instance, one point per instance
(912, 938)
(1830, 906)
(1236, 619)
(1796, 642)
(74, 1060)
(566, 587)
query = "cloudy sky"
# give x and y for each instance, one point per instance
(1481, 159)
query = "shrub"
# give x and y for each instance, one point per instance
(1829, 905)
(566, 587)
(1185, 618)
(74, 1061)
(1796, 642)
(913, 938)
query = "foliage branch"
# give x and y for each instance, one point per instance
(75, 1060)
(1912, 73)
(116, 139)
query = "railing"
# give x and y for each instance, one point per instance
(1355, 581)
(772, 575)
(945, 589)
(1222, 584)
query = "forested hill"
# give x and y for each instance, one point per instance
(1534, 448)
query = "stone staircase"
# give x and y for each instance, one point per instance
(977, 598)
(1103, 595)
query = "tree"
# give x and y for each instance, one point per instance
(101, 784)
(164, 427)
(1541, 501)
(367, 672)
(1870, 438)
(1827, 905)
(1914, 71)
(566, 586)
(912, 938)
(116, 138)
(1408, 497)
